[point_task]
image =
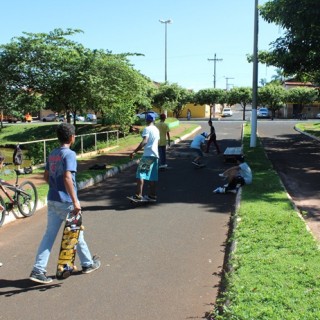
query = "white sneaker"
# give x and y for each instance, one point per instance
(221, 175)
(232, 191)
(219, 190)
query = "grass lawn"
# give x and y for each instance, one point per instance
(310, 127)
(275, 267)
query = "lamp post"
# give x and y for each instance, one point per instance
(165, 47)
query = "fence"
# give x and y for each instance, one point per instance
(98, 139)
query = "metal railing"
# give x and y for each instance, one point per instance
(81, 137)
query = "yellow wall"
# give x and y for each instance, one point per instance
(197, 111)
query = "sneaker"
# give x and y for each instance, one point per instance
(39, 277)
(195, 163)
(219, 190)
(221, 175)
(136, 197)
(151, 198)
(232, 191)
(95, 265)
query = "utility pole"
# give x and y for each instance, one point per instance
(253, 137)
(215, 59)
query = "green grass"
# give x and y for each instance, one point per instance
(275, 270)
(310, 127)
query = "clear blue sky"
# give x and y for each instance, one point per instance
(200, 28)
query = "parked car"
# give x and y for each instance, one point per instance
(78, 118)
(227, 112)
(318, 116)
(50, 117)
(143, 115)
(91, 117)
(263, 113)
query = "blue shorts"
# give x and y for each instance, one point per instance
(148, 169)
(198, 152)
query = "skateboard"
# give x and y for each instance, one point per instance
(165, 168)
(142, 201)
(68, 248)
(199, 166)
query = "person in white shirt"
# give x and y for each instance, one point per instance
(237, 176)
(148, 166)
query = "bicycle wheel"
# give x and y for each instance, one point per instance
(2, 212)
(27, 198)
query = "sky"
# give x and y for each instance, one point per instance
(199, 30)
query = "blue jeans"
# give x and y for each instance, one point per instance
(57, 213)
(162, 155)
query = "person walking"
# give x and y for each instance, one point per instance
(148, 166)
(212, 138)
(188, 114)
(62, 198)
(162, 147)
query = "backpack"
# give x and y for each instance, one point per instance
(17, 156)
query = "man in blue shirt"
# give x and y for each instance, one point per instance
(62, 198)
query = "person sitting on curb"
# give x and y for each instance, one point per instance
(197, 145)
(238, 175)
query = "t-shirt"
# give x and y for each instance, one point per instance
(197, 141)
(59, 161)
(245, 172)
(153, 135)
(164, 129)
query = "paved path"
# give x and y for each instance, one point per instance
(296, 158)
(158, 262)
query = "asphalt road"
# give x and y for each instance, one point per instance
(296, 158)
(159, 261)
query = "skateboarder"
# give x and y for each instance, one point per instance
(60, 171)
(162, 147)
(237, 175)
(197, 145)
(148, 166)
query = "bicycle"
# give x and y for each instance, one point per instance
(25, 197)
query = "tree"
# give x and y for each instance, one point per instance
(272, 96)
(70, 78)
(171, 97)
(211, 97)
(298, 50)
(116, 88)
(241, 95)
(46, 65)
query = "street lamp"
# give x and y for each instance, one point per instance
(165, 46)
